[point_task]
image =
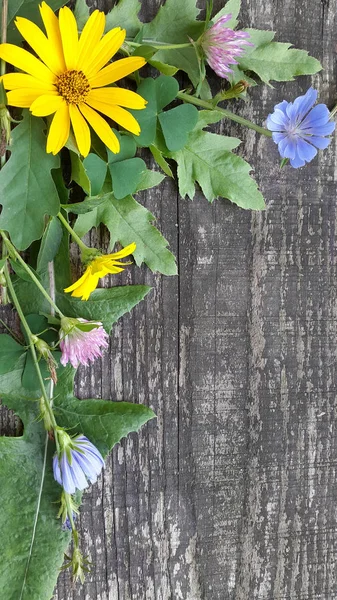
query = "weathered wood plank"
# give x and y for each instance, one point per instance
(230, 494)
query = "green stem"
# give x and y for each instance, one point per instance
(31, 346)
(70, 515)
(158, 45)
(4, 17)
(333, 112)
(227, 114)
(14, 251)
(74, 235)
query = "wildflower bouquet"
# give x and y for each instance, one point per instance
(79, 110)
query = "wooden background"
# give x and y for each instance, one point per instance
(231, 493)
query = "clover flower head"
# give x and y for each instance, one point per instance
(222, 45)
(79, 461)
(66, 77)
(99, 267)
(81, 341)
(299, 128)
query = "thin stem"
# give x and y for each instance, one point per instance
(31, 346)
(227, 114)
(72, 232)
(4, 18)
(14, 251)
(158, 45)
(333, 112)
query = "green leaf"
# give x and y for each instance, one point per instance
(50, 244)
(129, 222)
(21, 271)
(10, 353)
(105, 305)
(232, 7)
(124, 15)
(28, 191)
(207, 159)
(176, 23)
(78, 172)
(104, 423)
(176, 124)
(31, 535)
(275, 61)
(126, 176)
(81, 12)
(95, 169)
(160, 160)
(169, 70)
(149, 180)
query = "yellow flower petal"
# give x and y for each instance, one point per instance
(59, 129)
(14, 81)
(26, 62)
(117, 70)
(81, 130)
(23, 97)
(122, 253)
(46, 105)
(83, 287)
(117, 114)
(105, 50)
(90, 37)
(101, 127)
(69, 36)
(118, 96)
(52, 28)
(40, 44)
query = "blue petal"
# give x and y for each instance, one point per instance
(297, 162)
(319, 142)
(303, 104)
(67, 478)
(56, 469)
(279, 118)
(322, 130)
(87, 467)
(287, 148)
(78, 475)
(319, 115)
(305, 151)
(277, 137)
(282, 106)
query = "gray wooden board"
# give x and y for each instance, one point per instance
(231, 493)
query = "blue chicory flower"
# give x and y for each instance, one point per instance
(79, 461)
(299, 129)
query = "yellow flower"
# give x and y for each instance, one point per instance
(68, 79)
(97, 268)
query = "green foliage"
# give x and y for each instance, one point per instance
(105, 305)
(128, 221)
(207, 159)
(175, 124)
(125, 15)
(95, 169)
(10, 353)
(28, 191)
(32, 537)
(126, 170)
(50, 244)
(232, 7)
(81, 12)
(275, 61)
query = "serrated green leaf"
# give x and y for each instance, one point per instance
(176, 124)
(128, 221)
(81, 12)
(50, 244)
(124, 15)
(28, 191)
(10, 353)
(104, 423)
(232, 7)
(275, 61)
(105, 305)
(207, 159)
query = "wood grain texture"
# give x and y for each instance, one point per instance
(231, 493)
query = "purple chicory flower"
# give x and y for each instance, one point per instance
(299, 129)
(81, 341)
(222, 45)
(79, 461)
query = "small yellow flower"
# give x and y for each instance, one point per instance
(70, 76)
(97, 268)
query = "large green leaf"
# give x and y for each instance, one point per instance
(32, 540)
(28, 191)
(275, 61)
(105, 305)
(10, 353)
(232, 7)
(207, 159)
(128, 221)
(124, 15)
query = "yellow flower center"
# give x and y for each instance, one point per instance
(73, 86)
